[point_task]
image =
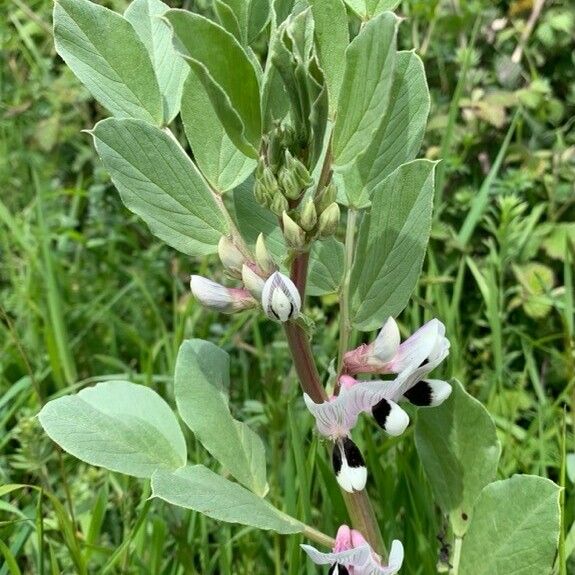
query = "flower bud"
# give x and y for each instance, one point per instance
(252, 281)
(280, 298)
(261, 195)
(308, 217)
(329, 220)
(220, 298)
(299, 170)
(279, 204)
(326, 197)
(230, 256)
(289, 183)
(263, 258)
(294, 235)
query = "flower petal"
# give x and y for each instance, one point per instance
(390, 417)
(351, 558)
(428, 393)
(386, 344)
(349, 466)
(417, 348)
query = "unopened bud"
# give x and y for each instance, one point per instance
(326, 197)
(268, 181)
(279, 204)
(294, 235)
(261, 195)
(252, 281)
(289, 183)
(299, 170)
(230, 256)
(263, 258)
(220, 298)
(329, 220)
(280, 298)
(308, 218)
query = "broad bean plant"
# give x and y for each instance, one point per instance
(297, 165)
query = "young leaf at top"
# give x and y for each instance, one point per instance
(391, 247)
(369, 63)
(198, 488)
(332, 35)
(201, 384)
(118, 425)
(104, 51)
(458, 446)
(227, 74)
(158, 182)
(170, 68)
(515, 528)
(222, 164)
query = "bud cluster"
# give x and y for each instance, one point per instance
(303, 219)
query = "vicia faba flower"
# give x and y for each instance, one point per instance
(280, 298)
(352, 555)
(387, 355)
(220, 298)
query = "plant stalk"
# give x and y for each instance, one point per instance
(344, 323)
(358, 504)
(456, 556)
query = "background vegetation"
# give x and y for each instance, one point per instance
(86, 294)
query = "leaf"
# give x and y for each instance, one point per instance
(158, 182)
(369, 8)
(227, 74)
(201, 384)
(458, 446)
(118, 425)
(222, 164)
(105, 53)
(332, 37)
(537, 281)
(392, 242)
(170, 68)
(326, 267)
(399, 136)
(258, 17)
(200, 489)
(515, 528)
(367, 80)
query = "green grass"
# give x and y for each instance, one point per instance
(86, 295)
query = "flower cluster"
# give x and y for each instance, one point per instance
(262, 285)
(411, 362)
(352, 555)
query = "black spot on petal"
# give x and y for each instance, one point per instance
(352, 453)
(336, 459)
(380, 412)
(420, 394)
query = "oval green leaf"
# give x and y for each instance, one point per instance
(118, 425)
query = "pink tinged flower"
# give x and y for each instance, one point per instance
(280, 298)
(220, 298)
(352, 555)
(387, 355)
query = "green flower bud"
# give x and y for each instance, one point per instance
(289, 183)
(261, 195)
(308, 217)
(230, 256)
(326, 197)
(269, 181)
(299, 170)
(294, 235)
(329, 220)
(263, 258)
(279, 204)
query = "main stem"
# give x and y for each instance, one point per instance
(358, 504)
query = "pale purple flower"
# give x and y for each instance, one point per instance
(387, 355)
(220, 298)
(352, 555)
(281, 299)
